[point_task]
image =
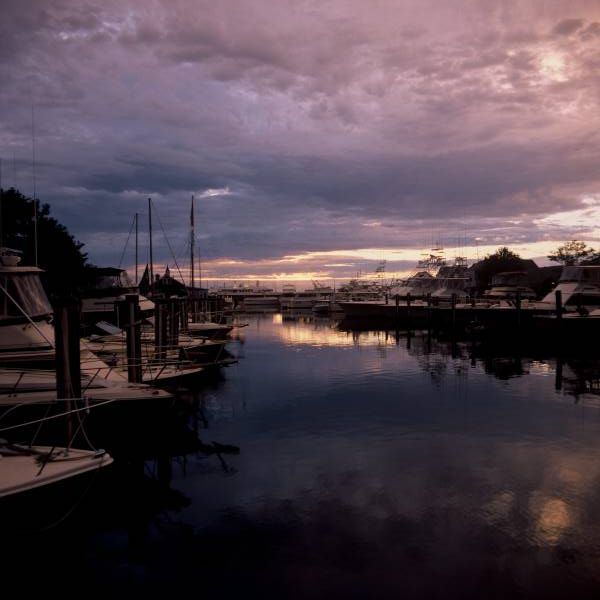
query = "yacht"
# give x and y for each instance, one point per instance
(579, 286)
(26, 334)
(507, 285)
(109, 285)
(307, 299)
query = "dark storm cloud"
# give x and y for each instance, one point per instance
(333, 126)
(568, 26)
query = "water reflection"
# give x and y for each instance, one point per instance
(376, 463)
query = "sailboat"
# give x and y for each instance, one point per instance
(205, 328)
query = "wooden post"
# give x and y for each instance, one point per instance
(397, 301)
(129, 310)
(518, 305)
(68, 361)
(174, 304)
(558, 296)
(184, 315)
(160, 329)
(68, 355)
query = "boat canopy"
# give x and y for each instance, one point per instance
(580, 273)
(26, 291)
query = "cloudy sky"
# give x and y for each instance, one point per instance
(318, 137)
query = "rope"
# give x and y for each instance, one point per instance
(76, 410)
(25, 314)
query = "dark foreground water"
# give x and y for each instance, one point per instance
(371, 465)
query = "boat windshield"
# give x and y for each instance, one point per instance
(579, 273)
(27, 291)
(120, 280)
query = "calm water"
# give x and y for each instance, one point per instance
(370, 465)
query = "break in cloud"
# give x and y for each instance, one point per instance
(318, 137)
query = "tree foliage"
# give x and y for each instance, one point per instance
(574, 252)
(502, 254)
(500, 261)
(59, 253)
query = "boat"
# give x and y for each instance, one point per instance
(24, 468)
(260, 302)
(508, 285)
(579, 285)
(26, 333)
(107, 286)
(308, 298)
(455, 280)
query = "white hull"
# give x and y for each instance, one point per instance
(33, 467)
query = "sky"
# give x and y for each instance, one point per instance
(318, 137)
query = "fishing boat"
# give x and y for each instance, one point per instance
(26, 333)
(509, 285)
(108, 286)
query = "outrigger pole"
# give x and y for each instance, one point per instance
(150, 240)
(192, 243)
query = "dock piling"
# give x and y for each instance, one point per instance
(129, 310)
(68, 355)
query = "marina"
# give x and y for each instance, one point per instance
(300, 300)
(332, 450)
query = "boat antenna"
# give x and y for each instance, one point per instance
(150, 241)
(192, 242)
(1, 204)
(35, 211)
(199, 268)
(136, 248)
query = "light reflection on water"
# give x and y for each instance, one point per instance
(377, 464)
(377, 459)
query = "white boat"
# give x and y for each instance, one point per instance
(508, 285)
(306, 299)
(26, 333)
(208, 329)
(257, 302)
(110, 285)
(579, 285)
(25, 468)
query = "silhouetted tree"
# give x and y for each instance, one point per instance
(502, 254)
(500, 261)
(59, 253)
(574, 252)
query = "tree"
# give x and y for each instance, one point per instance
(574, 253)
(59, 253)
(500, 261)
(503, 254)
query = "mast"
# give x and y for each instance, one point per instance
(199, 268)
(35, 213)
(192, 242)
(150, 239)
(136, 248)
(0, 204)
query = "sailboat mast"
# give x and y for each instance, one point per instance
(35, 211)
(0, 204)
(192, 243)
(150, 240)
(136, 249)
